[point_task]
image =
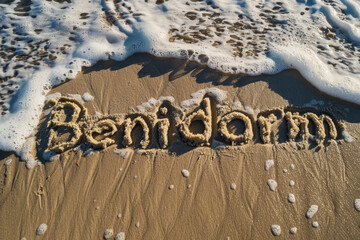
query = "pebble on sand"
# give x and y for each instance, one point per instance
(8, 162)
(293, 230)
(120, 236)
(185, 173)
(276, 230)
(171, 187)
(312, 210)
(269, 164)
(272, 184)
(291, 183)
(233, 186)
(292, 166)
(108, 233)
(86, 97)
(357, 204)
(41, 229)
(137, 224)
(291, 198)
(315, 224)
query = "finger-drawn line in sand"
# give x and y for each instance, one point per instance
(196, 125)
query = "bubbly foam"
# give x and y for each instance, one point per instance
(44, 43)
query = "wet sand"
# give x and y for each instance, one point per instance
(145, 194)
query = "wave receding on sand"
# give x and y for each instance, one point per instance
(45, 43)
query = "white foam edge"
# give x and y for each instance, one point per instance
(52, 96)
(152, 102)
(218, 94)
(26, 107)
(352, 7)
(351, 31)
(314, 70)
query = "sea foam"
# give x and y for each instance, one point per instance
(50, 41)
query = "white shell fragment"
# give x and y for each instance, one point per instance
(272, 184)
(41, 229)
(291, 198)
(269, 164)
(312, 210)
(185, 173)
(276, 230)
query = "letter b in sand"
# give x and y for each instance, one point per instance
(204, 115)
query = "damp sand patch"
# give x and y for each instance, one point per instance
(148, 186)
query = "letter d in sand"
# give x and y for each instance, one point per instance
(204, 115)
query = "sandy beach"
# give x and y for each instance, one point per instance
(219, 187)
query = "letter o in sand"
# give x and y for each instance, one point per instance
(236, 138)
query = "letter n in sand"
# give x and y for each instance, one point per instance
(129, 126)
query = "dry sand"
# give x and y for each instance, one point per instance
(225, 194)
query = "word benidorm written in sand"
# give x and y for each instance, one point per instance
(205, 124)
